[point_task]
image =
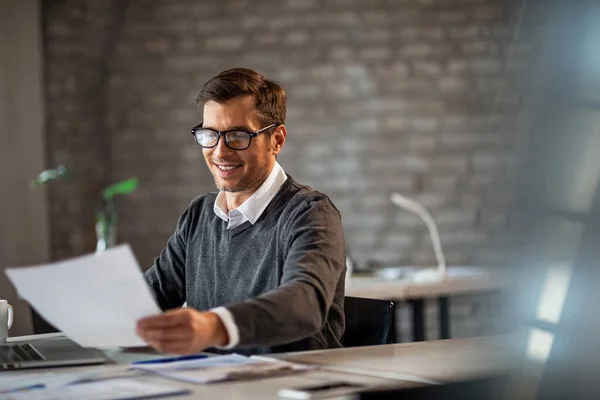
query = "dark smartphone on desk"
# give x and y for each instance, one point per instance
(321, 391)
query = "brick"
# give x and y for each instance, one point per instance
(431, 200)
(342, 54)
(376, 36)
(266, 38)
(470, 237)
(331, 35)
(376, 18)
(424, 125)
(375, 53)
(297, 4)
(406, 219)
(296, 38)
(487, 161)
(323, 72)
(396, 240)
(409, 32)
(460, 140)
(451, 163)
(452, 217)
(366, 223)
(414, 162)
(408, 87)
(157, 46)
(422, 142)
(427, 68)
(306, 92)
(186, 45)
(487, 13)
(418, 50)
(341, 18)
(288, 74)
(464, 32)
(423, 258)
(494, 219)
(225, 43)
(486, 66)
(279, 23)
(387, 104)
(406, 15)
(451, 84)
(441, 181)
(480, 47)
(451, 17)
(396, 123)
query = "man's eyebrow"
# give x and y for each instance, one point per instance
(231, 128)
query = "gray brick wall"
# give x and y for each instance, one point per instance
(77, 41)
(419, 96)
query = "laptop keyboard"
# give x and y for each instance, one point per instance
(18, 352)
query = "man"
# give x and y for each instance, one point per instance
(261, 264)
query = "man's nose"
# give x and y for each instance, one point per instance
(221, 149)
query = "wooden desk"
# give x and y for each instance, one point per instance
(257, 389)
(400, 365)
(459, 282)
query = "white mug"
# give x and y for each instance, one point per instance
(6, 319)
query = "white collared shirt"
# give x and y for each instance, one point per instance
(253, 207)
(250, 210)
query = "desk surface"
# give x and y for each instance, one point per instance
(404, 289)
(258, 389)
(385, 365)
(438, 361)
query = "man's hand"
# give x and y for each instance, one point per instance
(183, 331)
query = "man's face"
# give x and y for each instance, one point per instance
(239, 170)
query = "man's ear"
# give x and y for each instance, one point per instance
(278, 139)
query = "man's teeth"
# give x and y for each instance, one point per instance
(228, 167)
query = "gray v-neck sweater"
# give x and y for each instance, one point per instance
(281, 278)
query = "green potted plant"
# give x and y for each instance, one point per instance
(106, 214)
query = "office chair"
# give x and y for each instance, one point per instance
(369, 322)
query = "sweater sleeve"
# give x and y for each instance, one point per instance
(314, 263)
(166, 277)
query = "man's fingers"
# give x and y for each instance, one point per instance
(165, 334)
(169, 343)
(181, 331)
(169, 319)
(172, 347)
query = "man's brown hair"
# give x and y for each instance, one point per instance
(269, 95)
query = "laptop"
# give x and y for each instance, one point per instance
(47, 352)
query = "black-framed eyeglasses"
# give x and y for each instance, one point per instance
(236, 139)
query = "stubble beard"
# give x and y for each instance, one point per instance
(246, 183)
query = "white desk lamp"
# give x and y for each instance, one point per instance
(429, 274)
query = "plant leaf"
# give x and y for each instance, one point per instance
(122, 187)
(60, 172)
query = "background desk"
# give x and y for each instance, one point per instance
(441, 361)
(415, 294)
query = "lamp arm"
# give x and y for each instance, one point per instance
(416, 208)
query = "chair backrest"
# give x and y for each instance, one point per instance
(369, 321)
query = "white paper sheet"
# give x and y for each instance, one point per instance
(221, 368)
(120, 389)
(95, 300)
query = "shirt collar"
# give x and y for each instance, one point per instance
(254, 206)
